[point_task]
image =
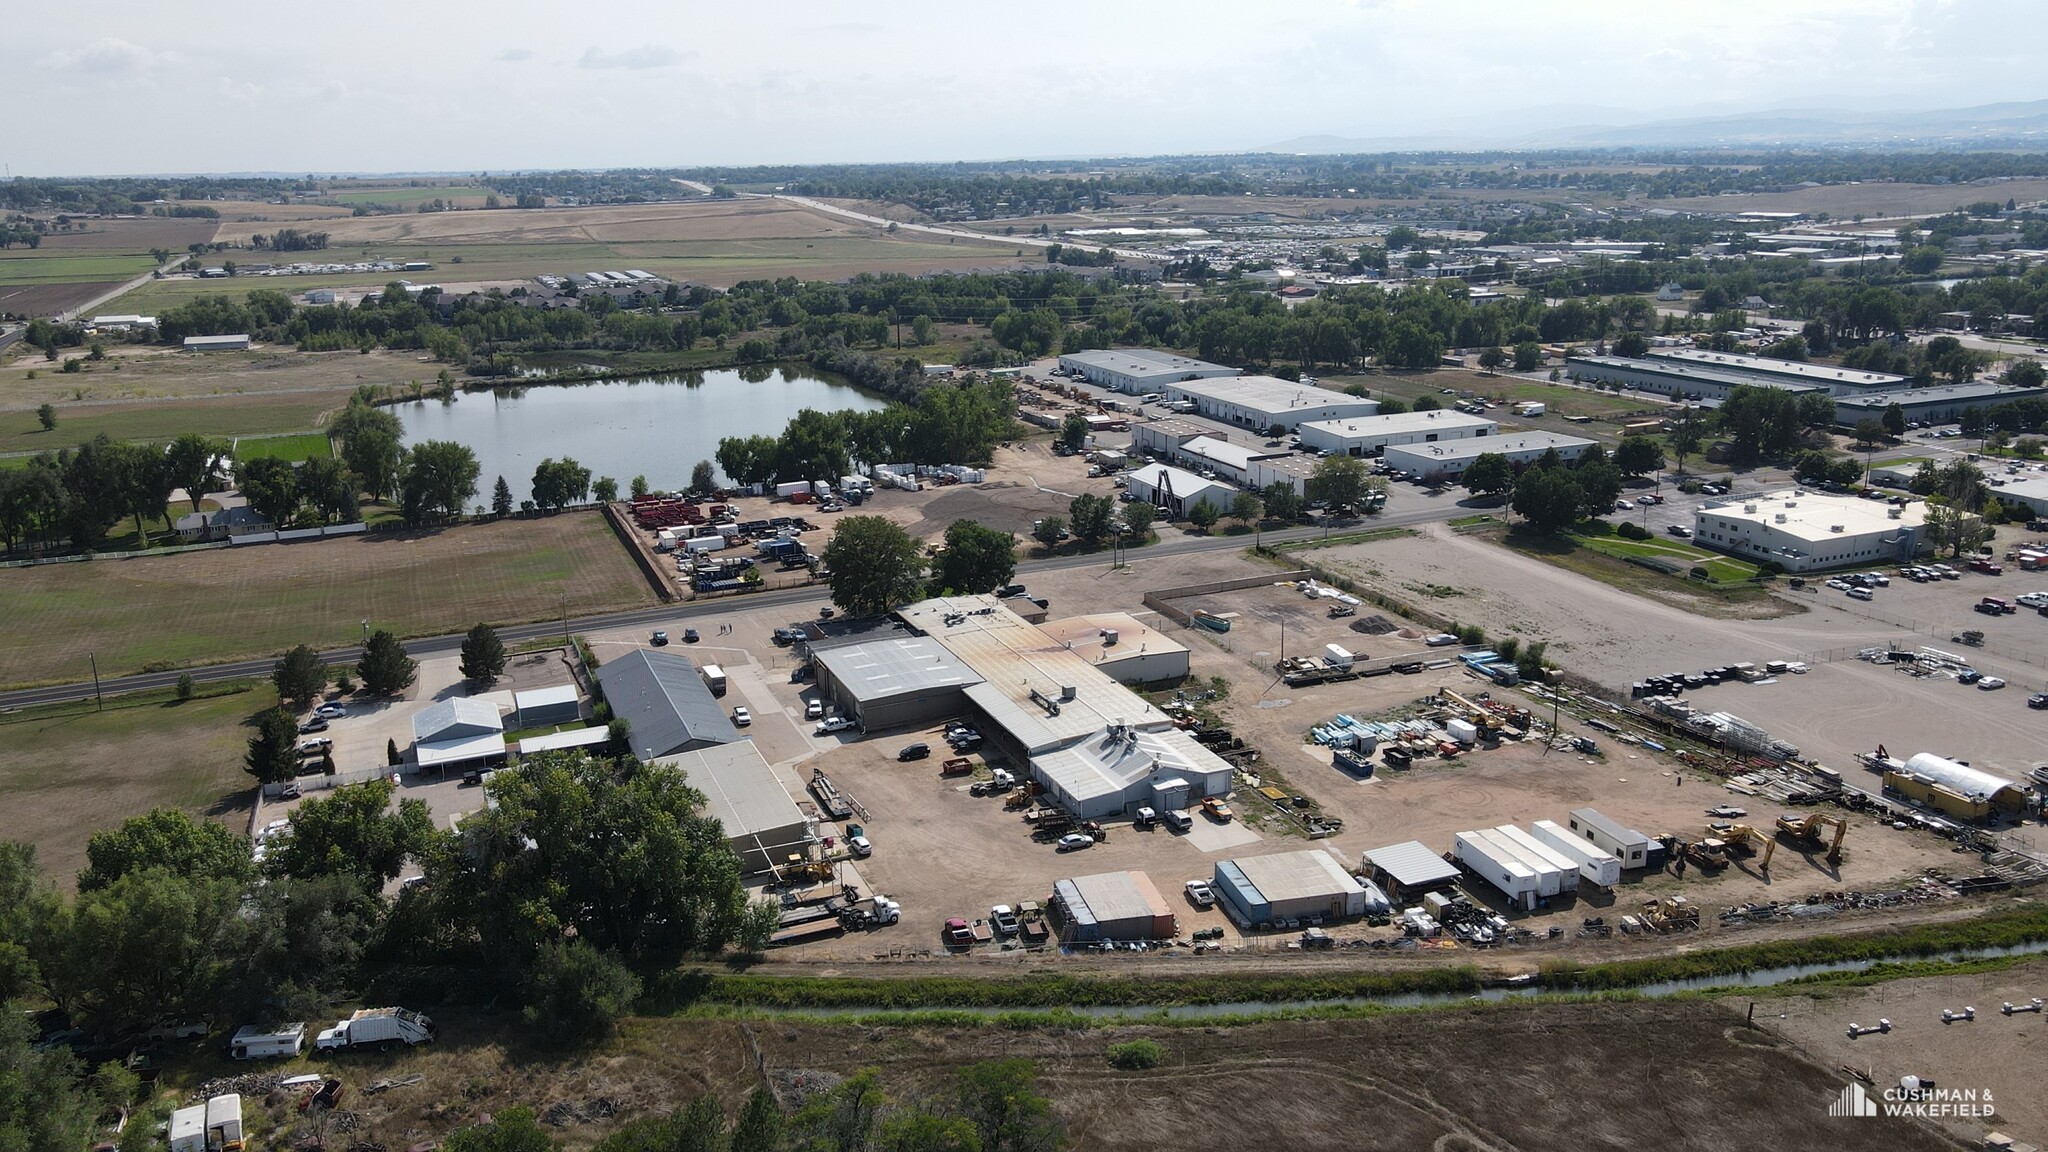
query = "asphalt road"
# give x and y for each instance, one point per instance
(671, 615)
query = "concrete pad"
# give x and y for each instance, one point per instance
(1209, 836)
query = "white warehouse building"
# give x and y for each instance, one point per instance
(1140, 370)
(1266, 402)
(1178, 490)
(1451, 458)
(1808, 531)
(1371, 435)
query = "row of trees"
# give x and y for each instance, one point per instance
(79, 494)
(946, 424)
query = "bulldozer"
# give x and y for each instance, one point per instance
(1711, 854)
(1745, 840)
(1807, 831)
(1672, 913)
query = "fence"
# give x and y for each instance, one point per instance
(1942, 636)
(1160, 600)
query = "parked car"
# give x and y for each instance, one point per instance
(1969, 676)
(917, 751)
(659, 639)
(689, 635)
(860, 846)
(1200, 894)
(1215, 809)
(1441, 640)
(1680, 531)
(814, 709)
(831, 724)
(1861, 593)
(2038, 700)
(825, 613)
(1990, 684)
(1075, 841)
(313, 724)
(315, 746)
(742, 716)
(2035, 600)
(335, 711)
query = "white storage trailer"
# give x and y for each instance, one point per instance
(1596, 864)
(188, 1129)
(1476, 851)
(251, 1042)
(1537, 854)
(1549, 877)
(1631, 847)
(1336, 656)
(224, 1122)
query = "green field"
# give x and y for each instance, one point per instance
(69, 265)
(225, 416)
(200, 607)
(408, 197)
(292, 448)
(1722, 569)
(68, 770)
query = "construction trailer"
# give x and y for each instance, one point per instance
(1499, 866)
(1631, 847)
(1596, 865)
(1537, 854)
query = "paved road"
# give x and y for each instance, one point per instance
(671, 615)
(959, 233)
(121, 290)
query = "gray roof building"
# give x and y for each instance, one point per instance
(665, 704)
(763, 825)
(894, 681)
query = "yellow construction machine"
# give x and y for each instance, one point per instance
(1746, 840)
(1807, 831)
(1671, 914)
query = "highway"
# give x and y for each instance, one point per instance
(686, 612)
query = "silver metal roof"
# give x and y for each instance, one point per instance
(898, 666)
(1306, 874)
(1412, 864)
(739, 788)
(665, 703)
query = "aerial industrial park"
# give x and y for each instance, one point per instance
(1534, 640)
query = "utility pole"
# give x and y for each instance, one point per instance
(100, 699)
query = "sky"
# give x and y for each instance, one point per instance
(120, 86)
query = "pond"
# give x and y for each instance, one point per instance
(657, 426)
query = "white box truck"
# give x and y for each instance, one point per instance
(251, 1042)
(378, 1028)
(1528, 408)
(714, 678)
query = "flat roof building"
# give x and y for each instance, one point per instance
(559, 704)
(1371, 435)
(1807, 531)
(1289, 885)
(1123, 647)
(1935, 405)
(1263, 403)
(1451, 458)
(1120, 769)
(1165, 436)
(1677, 379)
(894, 681)
(216, 343)
(1409, 869)
(1232, 462)
(763, 825)
(1140, 370)
(457, 732)
(665, 703)
(1293, 471)
(1176, 490)
(2030, 492)
(1836, 379)
(1111, 906)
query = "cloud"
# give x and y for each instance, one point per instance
(515, 55)
(106, 57)
(645, 56)
(855, 29)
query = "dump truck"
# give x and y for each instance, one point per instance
(378, 1028)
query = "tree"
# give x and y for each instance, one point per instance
(483, 655)
(186, 686)
(1203, 514)
(760, 1123)
(1972, 422)
(1869, 432)
(354, 832)
(1282, 502)
(1425, 403)
(165, 838)
(1632, 345)
(370, 444)
(1091, 517)
(274, 749)
(501, 498)
(150, 946)
(1638, 456)
(272, 488)
(385, 669)
(1246, 507)
(1686, 432)
(703, 478)
(558, 484)
(1139, 516)
(1338, 481)
(975, 559)
(1598, 480)
(875, 565)
(1073, 432)
(1816, 409)
(1049, 531)
(300, 677)
(1001, 1099)
(1528, 356)
(194, 464)
(1491, 358)
(329, 487)
(1489, 475)
(639, 487)
(2024, 374)
(440, 477)
(46, 415)
(577, 993)
(1547, 499)
(1894, 420)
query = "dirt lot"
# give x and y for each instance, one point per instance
(1663, 1074)
(261, 599)
(1868, 199)
(1841, 708)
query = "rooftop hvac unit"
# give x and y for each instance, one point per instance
(1781, 517)
(1894, 513)
(1749, 508)
(1068, 692)
(1835, 528)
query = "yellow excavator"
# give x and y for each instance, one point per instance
(1746, 840)
(1808, 830)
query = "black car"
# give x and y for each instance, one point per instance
(689, 635)
(917, 751)
(2038, 700)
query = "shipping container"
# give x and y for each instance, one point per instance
(1337, 656)
(1501, 869)
(792, 487)
(1596, 864)
(1463, 731)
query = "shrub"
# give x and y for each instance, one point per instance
(186, 686)
(577, 993)
(1632, 531)
(1136, 1055)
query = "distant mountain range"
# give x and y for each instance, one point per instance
(2022, 125)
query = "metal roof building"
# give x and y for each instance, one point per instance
(1288, 885)
(234, 343)
(763, 825)
(666, 705)
(1138, 370)
(1265, 402)
(557, 704)
(1409, 869)
(1929, 405)
(1111, 906)
(1678, 378)
(1836, 379)
(457, 731)
(563, 741)
(1121, 769)
(1178, 490)
(2030, 492)
(1806, 531)
(893, 682)
(1122, 646)
(1451, 458)
(1370, 435)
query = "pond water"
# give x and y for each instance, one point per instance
(657, 426)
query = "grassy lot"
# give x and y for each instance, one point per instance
(198, 607)
(408, 197)
(1561, 401)
(291, 448)
(262, 415)
(1724, 570)
(57, 265)
(1579, 554)
(68, 770)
